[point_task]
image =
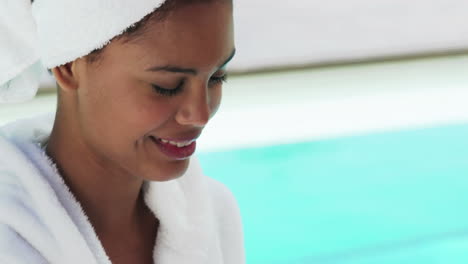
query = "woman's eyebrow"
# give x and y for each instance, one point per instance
(176, 69)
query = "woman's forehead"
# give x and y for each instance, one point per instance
(195, 35)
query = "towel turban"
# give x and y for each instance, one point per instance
(51, 33)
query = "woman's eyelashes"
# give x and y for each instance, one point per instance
(215, 80)
(169, 92)
(218, 79)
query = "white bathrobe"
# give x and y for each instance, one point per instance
(42, 222)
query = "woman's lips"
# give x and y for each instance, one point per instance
(178, 150)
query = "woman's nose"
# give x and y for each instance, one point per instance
(196, 110)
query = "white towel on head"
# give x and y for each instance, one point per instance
(19, 58)
(57, 32)
(70, 29)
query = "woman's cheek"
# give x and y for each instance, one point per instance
(161, 111)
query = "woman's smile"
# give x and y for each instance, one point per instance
(176, 150)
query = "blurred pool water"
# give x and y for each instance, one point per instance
(399, 197)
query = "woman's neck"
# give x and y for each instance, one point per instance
(110, 197)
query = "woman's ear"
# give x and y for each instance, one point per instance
(66, 76)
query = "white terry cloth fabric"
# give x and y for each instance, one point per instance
(55, 32)
(70, 29)
(42, 222)
(19, 58)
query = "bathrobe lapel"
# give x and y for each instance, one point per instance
(48, 217)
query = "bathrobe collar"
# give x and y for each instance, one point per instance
(186, 234)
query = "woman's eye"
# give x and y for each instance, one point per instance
(218, 79)
(168, 92)
(177, 90)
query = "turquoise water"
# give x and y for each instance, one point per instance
(399, 197)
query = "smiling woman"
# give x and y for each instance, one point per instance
(112, 178)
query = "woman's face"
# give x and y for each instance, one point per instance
(164, 85)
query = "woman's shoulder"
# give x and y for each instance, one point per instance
(12, 162)
(32, 129)
(19, 143)
(222, 196)
(15, 249)
(18, 174)
(18, 217)
(229, 221)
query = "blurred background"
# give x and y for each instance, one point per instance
(343, 131)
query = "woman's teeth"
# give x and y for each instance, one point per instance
(178, 144)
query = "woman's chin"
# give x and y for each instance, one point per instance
(169, 171)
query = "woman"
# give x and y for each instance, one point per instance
(111, 178)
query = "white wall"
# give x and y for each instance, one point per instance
(278, 33)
